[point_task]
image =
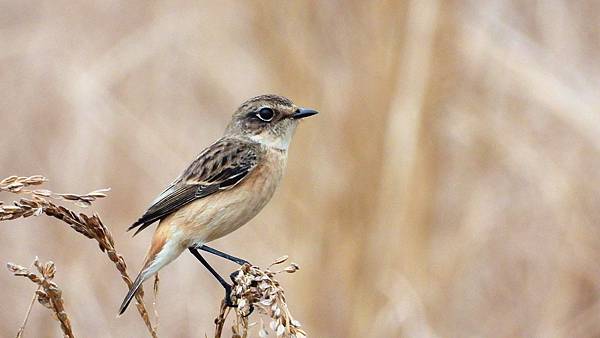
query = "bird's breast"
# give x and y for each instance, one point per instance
(221, 213)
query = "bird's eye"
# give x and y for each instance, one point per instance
(265, 114)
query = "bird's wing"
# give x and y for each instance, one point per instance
(219, 167)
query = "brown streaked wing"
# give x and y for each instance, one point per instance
(219, 167)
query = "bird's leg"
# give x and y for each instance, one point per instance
(223, 255)
(225, 285)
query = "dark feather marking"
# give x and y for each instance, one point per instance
(203, 178)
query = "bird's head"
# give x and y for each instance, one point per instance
(268, 119)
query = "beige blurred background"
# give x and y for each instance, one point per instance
(448, 189)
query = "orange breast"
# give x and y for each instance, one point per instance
(219, 214)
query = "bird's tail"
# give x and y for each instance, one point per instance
(161, 253)
(134, 289)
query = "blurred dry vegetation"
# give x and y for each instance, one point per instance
(448, 189)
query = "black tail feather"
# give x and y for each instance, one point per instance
(134, 289)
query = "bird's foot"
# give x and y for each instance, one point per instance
(228, 301)
(243, 269)
(233, 275)
(242, 261)
(250, 310)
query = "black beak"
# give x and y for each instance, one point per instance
(303, 112)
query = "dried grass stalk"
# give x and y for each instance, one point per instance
(155, 301)
(258, 290)
(18, 185)
(22, 328)
(49, 294)
(89, 226)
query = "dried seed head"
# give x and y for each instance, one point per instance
(9, 180)
(42, 192)
(258, 289)
(48, 293)
(16, 183)
(16, 269)
(35, 180)
(37, 203)
(49, 270)
(291, 269)
(280, 330)
(43, 299)
(280, 260)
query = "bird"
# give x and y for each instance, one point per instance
(223, 188)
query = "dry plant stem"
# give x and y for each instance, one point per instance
(240, 327)
(155, 301)
(91, 227)
(220, 320)
(254, 288)
(49, 294)
(22, 328)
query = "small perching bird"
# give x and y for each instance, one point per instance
(223, 188)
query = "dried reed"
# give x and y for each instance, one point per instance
(22, 328)
(48, 293)
(89, 226)
(256, 290)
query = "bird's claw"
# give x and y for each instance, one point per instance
(228, 301)
(250, 310)
(233, 275)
